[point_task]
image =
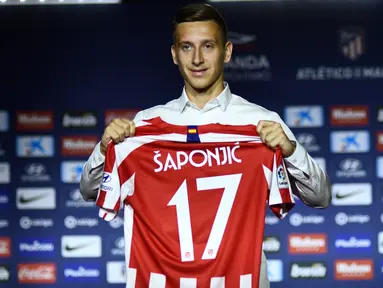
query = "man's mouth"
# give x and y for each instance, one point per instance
(198, 72)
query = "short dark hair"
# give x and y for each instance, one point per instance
(200, 12)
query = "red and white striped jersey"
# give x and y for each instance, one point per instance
(194, 200)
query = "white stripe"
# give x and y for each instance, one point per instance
(188, 282)
(245, 281)
(128, 232)
(221, 137)
(268, 175)
(127, 189)
(157, 280)
(217, 282)
(131, 278)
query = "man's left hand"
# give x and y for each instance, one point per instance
(273, 136)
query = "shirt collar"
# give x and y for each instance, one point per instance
(223, 99)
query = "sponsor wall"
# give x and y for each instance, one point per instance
(324, 78)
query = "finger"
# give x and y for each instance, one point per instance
(276, 142)
(263, 124)
(114, 135)
(119, 130)
(270, 137)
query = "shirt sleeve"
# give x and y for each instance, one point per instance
(93, 170)
(309, 181)
(109, 194)
(280, 197)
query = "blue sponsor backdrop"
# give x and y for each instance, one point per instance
(309, 63)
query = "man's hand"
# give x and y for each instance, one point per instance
(273, 136)
(117, 131)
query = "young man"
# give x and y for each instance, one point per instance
(200, 50)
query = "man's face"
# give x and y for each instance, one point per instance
(200, 53)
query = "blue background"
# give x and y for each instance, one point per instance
(92, 58)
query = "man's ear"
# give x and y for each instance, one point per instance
(228, 51)
(174, 55)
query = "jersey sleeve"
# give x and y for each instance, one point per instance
(109, 194)
(280, 198)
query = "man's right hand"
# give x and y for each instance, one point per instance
(117, 130)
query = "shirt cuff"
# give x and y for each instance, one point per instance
(96, 158)
(298, 159)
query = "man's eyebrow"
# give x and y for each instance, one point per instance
(204, 41)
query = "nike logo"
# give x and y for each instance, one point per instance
(25, 200)
(73, 248)
(353, 193)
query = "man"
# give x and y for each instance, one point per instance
(200, 49)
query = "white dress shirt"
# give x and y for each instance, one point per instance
(309, 182)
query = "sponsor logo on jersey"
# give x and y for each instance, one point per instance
(35, 172)
(342, 218)
(35, 198)
(282, 178)
(297, 219)
(275, 270)
(34, 120)
(350, 194)
(78, 145)
(350, 141)
(307, 243)
(35, 146)
(84, 272)
(5, 247)
(5, 173)
(110, 115)
(304, 116)
(81, 246)
(271, 244)
(349, 243)
(71, 171)
(349, 115)
(28, 222)
(79, 119)
(72, 222)
(358, 269)
(36, 273)
(308, 270)
(5, 273)
(116, 272)
(37, 246)
(4, 121)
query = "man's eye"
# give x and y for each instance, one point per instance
(208, 46)
(186, 47)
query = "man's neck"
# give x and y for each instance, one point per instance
(201, 97)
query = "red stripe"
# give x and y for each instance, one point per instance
(110, 157)
(117, 206)
(101, 198)
(159, 127)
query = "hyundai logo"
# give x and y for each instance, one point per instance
(106, 178)
(351, 165)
